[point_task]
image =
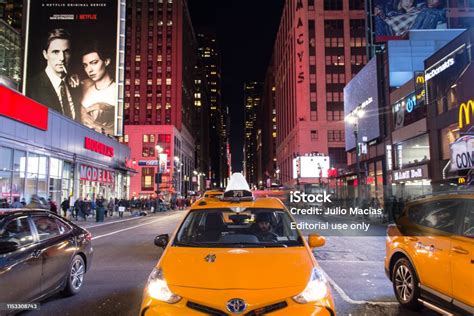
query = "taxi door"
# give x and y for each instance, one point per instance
(462, 261)
(439, 220)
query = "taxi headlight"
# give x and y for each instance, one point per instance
(158, 289)
(315, 290)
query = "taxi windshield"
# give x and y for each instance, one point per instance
(249, 227)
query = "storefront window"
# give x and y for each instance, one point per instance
(19, 161)
(5, 158)
(448, 135)
(413, 151)
(55, 172)
(5, 185)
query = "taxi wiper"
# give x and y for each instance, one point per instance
(251, 245)
(190, 244)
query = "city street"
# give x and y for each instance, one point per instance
(124, 255)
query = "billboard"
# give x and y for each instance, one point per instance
(74, 60)
(361, 93)
(310, 167)
(394, 18)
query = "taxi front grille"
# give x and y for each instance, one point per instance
(259, 311)
(205, 309)
(267, 309)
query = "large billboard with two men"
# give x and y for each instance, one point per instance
(72, 60)
(394, 18)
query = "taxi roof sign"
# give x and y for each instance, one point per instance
(238, 188)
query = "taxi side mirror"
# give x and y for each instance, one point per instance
(162, 240)
(315, 241)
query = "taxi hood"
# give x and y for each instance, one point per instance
(237, 268)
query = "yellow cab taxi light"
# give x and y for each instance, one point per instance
(238, 189)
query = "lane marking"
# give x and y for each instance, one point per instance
(350, 261)
(132, 227)
(108, 223)
(349, 300)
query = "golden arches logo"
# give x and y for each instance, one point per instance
(420, 79)
(461, 180)
(465, 110)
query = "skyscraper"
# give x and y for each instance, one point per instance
(252, 97)
(320, 45)
(159, 95)
(218, 114)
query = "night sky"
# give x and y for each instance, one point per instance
(246, 31)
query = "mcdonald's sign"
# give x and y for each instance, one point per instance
(465, 112)
(420, 79)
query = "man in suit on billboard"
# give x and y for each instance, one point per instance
(51, 86)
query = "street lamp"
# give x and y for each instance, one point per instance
(353, 118)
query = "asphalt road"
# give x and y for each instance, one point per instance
(124, 255)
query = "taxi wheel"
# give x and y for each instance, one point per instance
(75, 276)
(405, 284)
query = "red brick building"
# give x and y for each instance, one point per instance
(161, 54)
(320, 45)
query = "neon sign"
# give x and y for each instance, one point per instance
(465, 111)
(410, 103)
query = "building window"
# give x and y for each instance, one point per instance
(314, 135)
(335, 136)
(332, 5)
(145, 138)
(337, 156)
(356, 5)
(147, 179)
(313, 115)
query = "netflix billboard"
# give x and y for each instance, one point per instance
(73, 60)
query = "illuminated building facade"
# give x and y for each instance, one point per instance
(252, 97)
(161, 55)
(319, 47)
(218, 112)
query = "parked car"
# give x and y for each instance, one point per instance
(41, 254)
(430, 254)
(237, 255)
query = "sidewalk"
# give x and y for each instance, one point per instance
(90, 220)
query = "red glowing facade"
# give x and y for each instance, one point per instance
(320, 45)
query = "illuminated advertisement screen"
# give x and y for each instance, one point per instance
(362, 93)
(72, 49)
(394, 18)
(311, 167)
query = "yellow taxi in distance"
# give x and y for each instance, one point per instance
(237, 256)
(213, 193)
(430, 254)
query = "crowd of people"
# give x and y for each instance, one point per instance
(99, 208)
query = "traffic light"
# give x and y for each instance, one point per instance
(158, 178)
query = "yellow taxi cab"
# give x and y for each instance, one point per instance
(213, 194)
(237, 256)
(430, 254)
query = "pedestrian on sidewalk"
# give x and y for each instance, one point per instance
(65, 207)
(99, 217)
(111, 207)
(16, 203)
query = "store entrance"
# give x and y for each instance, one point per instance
(94, 190)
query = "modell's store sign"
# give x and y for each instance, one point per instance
(89, 173)
(98, 147)
(462, 153)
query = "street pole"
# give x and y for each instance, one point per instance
(356, 134)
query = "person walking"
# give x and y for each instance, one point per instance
(99, 215)
(111, 207)
(16, 203)
(65, 207)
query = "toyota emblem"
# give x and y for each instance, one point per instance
(236, 305)
(210, 258)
